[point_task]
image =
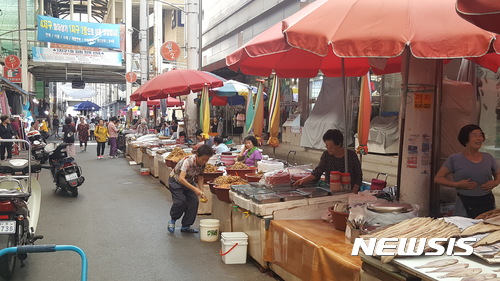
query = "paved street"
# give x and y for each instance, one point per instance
(119, 220)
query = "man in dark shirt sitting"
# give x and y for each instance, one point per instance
(6, 132)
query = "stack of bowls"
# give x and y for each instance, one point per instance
(228, 160)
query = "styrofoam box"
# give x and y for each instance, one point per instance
(240, 200)
(269, 166)
(237, 255)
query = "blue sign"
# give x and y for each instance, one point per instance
(102, 35)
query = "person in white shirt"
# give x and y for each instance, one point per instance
(220, 146)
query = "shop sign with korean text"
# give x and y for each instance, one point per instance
(13, 75)
(103, 35)
(76, 56)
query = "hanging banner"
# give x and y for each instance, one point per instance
(78, 33)
(76, 56)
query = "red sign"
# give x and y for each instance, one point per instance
(12, 62)
(131, 77)
(170, 51)
(14, 75)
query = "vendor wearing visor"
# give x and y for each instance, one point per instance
(333, 160)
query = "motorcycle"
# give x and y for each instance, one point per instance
(66, 174)
(38, 144)
(20, 196)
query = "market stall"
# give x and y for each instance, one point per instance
(311, 250)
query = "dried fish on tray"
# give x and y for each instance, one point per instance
(479, 228)
(266, 198)
(415, 228)
(291, 195)
(312, 192)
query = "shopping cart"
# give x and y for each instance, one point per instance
(48, 248)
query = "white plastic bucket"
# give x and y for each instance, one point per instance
(234, 247)
(209, 230)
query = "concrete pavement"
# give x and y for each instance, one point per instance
(119, 219)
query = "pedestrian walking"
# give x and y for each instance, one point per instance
(6, 132)
(184, 190)
(55, 126)
(83, 134)
(92, 126)
(113, 135)
(69, 136)
(101, 137)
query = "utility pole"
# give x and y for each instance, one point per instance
(192, 12)
(127, 7)
(143, 27)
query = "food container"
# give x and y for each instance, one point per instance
(211, 186)
(253, 177)
(290, 195)
(335, 176)
(266, 198)
(241, 172)
(335, 186)
(250, 193)
(390, 207)
(345, 177)
(312, 192)
(228, 160)
(297, 176)
(222, 193)
(277, 178)
(170, 163)
(339, 219)
(208, 177)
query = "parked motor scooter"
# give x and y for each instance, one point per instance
(67, 175)
(20, 196)
(37, 146)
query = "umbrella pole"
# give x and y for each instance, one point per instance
(436, 141)
(346, 116)
(402, 120)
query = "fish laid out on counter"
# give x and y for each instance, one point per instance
(467, 272)
(479, 228)
(450, 268)
(415, 228)
(491, 238)
(489, 214)
(438, 263)
(463, 273)
(482, 277)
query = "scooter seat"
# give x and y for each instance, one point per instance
(17, 166)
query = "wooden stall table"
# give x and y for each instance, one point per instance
(311, 250)
(164, 172)
(222, 212)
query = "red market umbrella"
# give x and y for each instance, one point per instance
(483, 13)
(137, 94)
(431, 29)
(179, 82)
(171, 102)
(269, 52)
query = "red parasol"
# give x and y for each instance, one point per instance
(483, 13)
(178, 82)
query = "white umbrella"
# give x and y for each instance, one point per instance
(88, 92)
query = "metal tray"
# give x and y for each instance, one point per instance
(312, 192)
(266, 198)
(390, 207)
(290, 195)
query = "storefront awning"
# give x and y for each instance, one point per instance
(12, 85)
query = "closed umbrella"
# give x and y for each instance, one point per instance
(365, 109)
(274, 112)
(258, 122)
(205, 112)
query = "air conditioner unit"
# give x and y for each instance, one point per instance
(78, 84)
